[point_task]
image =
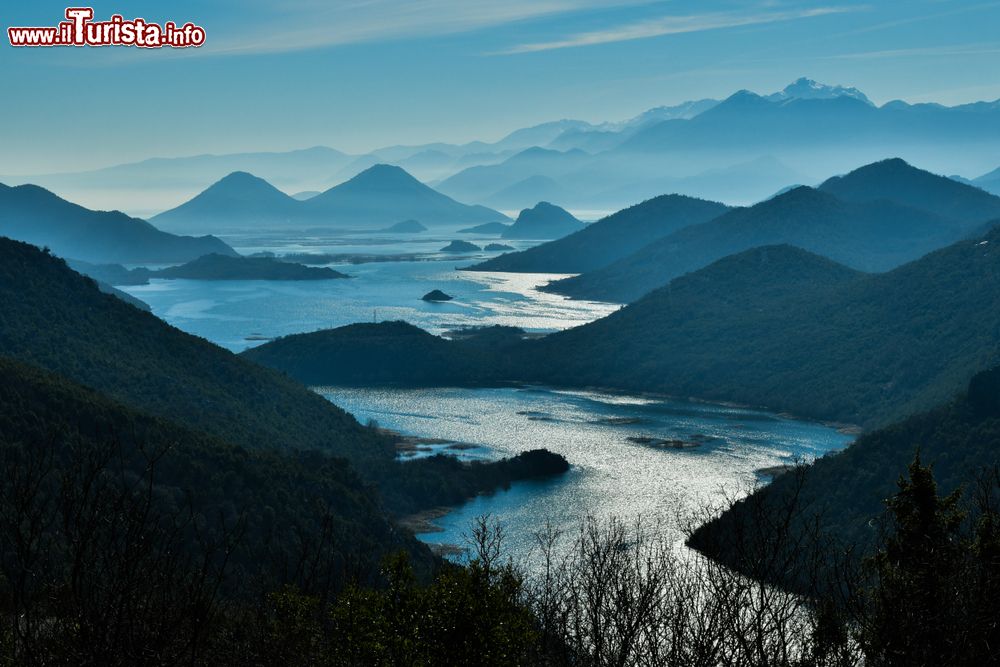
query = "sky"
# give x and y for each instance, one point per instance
(360, 74)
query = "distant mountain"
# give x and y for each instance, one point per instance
(539, 135)
(124, 296)
(874, 230)
(610, 238)
(383, 195)
(775, 326)
(989, 182)
(813, 128)
(746, 120)
(605, 136)
(480, 183)
(532, 189)
(238, 201)
(543, 221)
(219, 267)
(379, 196)
(112, 274)
(807, 89)
(35, 215)
(157, 184)
(900, 182)
(305, 194)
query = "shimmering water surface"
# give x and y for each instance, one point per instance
(240, 314)
(610, 475)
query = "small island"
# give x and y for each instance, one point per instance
(405, 227)
(461, 246)
(220, 267)
(497, 247)
(436, 295)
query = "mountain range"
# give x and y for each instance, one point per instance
(379, 196)
(611, 238)
(33, 214)
(874, 218)
(738, 150)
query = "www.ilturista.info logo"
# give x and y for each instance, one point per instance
(81, 30)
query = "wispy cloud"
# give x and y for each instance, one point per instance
(673, 25)
(296, 25)
(926, 51)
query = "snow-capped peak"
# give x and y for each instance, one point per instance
(807, 89)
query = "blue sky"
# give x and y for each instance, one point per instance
(361, 74)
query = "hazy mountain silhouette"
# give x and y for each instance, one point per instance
(156, 184)
(989, 182)
(240, 200)
(874, 231)
(542, 221)
(610, 238)
(813, 128)
(747, 120)
(377, 197)
(900, 182)
(35, 215)
(385, 194)
(480, 183)
(531, 189)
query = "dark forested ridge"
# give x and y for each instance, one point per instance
(847, 490)
(872, 219)
(276, 498)
(57, 319)
(35, 215)
(900, 182)
(610, 238)
(776, 326)
(782, 328)
(388, 353)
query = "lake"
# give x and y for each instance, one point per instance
(611, 440)
(616, 470)
(240, 314)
